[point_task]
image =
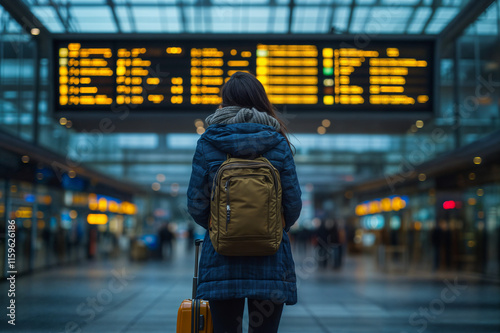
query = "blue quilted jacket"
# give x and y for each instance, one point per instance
(222, 277)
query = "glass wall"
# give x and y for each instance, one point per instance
(478, 55)
(17, 78)
(53, 134)
(52, 228)
(17, 98)
(452, 220)
(476, 90)
(18, 66)
(479, 76)
(469, 83)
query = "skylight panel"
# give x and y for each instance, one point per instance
(310, 19)
(391, 20)
(341, 18)
(279, 22)
(123, 17)
(147, 19)
(93, 19)
(358, 19)
(171, 19)
(440, 19)
(421, 16)
(48, 17)
(249, 2)
(259, 20)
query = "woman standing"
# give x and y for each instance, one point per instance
(245, 126)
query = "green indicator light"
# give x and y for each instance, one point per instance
(328, 70)
(262, 53)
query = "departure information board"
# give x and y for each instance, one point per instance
(303, 75)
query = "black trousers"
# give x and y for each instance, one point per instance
(263, 315)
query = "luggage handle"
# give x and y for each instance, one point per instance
(197, 243)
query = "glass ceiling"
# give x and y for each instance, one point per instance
(246, 16)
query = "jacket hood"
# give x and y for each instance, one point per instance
(247, 140)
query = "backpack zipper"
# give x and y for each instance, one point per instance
(251, 165)
(228, 206)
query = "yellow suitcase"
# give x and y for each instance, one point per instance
(194, 314)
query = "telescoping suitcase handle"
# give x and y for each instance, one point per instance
(197, 243)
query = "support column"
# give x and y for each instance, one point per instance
(456, 94)
(36, 87)
(7, 210)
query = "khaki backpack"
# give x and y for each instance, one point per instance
(245, 211)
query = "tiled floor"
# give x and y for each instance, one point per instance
(120, 296)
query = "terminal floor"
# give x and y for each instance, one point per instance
(144, 297)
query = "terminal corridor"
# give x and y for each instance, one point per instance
(120, 296)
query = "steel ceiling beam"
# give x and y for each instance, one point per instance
(3, 27)
(351, 13)
(64, 21)
(463, 19)
(408, 22)
(434, 6)
(183, 16)
(20, 12)
(111, 6)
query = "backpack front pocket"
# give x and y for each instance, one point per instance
(244, 213)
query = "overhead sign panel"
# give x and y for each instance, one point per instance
(184, 75)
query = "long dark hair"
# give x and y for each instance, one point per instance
(244, 90)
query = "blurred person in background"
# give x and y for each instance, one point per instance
(166, 239)
(190, 237)
(322, 243)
